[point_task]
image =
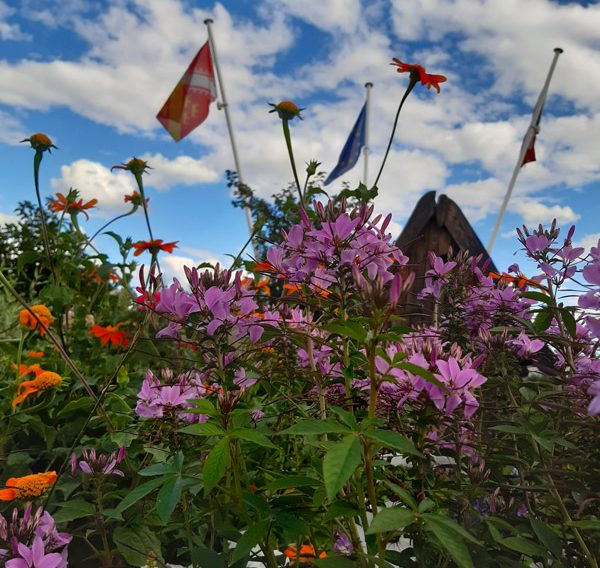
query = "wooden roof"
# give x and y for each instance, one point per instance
(436, 227)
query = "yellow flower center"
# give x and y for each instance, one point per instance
(32, 486)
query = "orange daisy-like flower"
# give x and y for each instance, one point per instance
(153, 246)
(70, 204)
(424, 77)
(36, 354)
(28, 487)
(93, 275)
(307, 553)
(43, 313)
(518, 281)
(135, 198)
(43, 380)
(110, 333)
(136, 166)
(287, 110)
(258, 285)
(40, 142)
(28, 369)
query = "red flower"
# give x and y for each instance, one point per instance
(70, 203)
(110, 333)
(424, 77)
(153, 246)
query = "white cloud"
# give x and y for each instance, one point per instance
(183, 170)
(10, 31)
(588, 241)
(12, 130)
(328, 16)
(6, 218)
(535, 212)
(172, 265)
(95, 181)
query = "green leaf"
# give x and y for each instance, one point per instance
(168, 497)
(253, 436)
(202, 406)
(347, 328)
(395, 441)
(524, 546)
(158, 469)
(83, 403)
(543, 320)
(335, 562)
(138, 493)
(73, 509)
(203, 429)
(451, 525)
(115, 236)
(394, 518)
(292, 481)
(420, 372)
(316, 427)
(447, 538)
(547, 536)
(27, 257)
(215, 465)
(339, 464)
(57, 296)
(569, 321)
(509, 429)
(136, 543)
(586, 524)
(406, 497)
(254, 533)
(345, 416)
(537, 296)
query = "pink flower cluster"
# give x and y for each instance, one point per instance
(32, 540)
(324, 254)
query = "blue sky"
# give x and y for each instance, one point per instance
(93, 76)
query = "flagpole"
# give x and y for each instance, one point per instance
(531, 132)
(224, 105)
(368, 87)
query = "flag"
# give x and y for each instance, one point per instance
(534, 129)
(351, 150)
(187, 106)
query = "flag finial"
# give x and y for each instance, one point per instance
(209, 21)
(368, 84)
(558, 50)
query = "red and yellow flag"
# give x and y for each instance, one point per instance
(187, 106)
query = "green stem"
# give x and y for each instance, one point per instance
(110, 223)
(188, 527)
(37, 160)
(413, 81)
(288, 142)
(20, 355)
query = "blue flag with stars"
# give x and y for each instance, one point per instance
(351, 150)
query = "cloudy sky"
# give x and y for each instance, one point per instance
(92, 75)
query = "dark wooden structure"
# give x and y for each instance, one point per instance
(435, 227)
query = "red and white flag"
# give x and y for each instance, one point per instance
(188, 104)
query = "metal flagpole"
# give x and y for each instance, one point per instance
(532, 130)
(223, 105)
(368, 86)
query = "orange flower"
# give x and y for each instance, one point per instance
(36, 354)
(136, 166)
(153, 246)
(307, 553)
(135, 198)
(424, 77)
(40, 142)
(70, 203)
(287, 110)
(518, 281)
(43, 313)
(110, 333)
(43, 381)
(93, 275)
(292, 289)
(28, 487)
(27, 369)
(258, 285)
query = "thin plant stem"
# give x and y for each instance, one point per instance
(110, 223)
(413, 81)
(288, 142)
(37, 160)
